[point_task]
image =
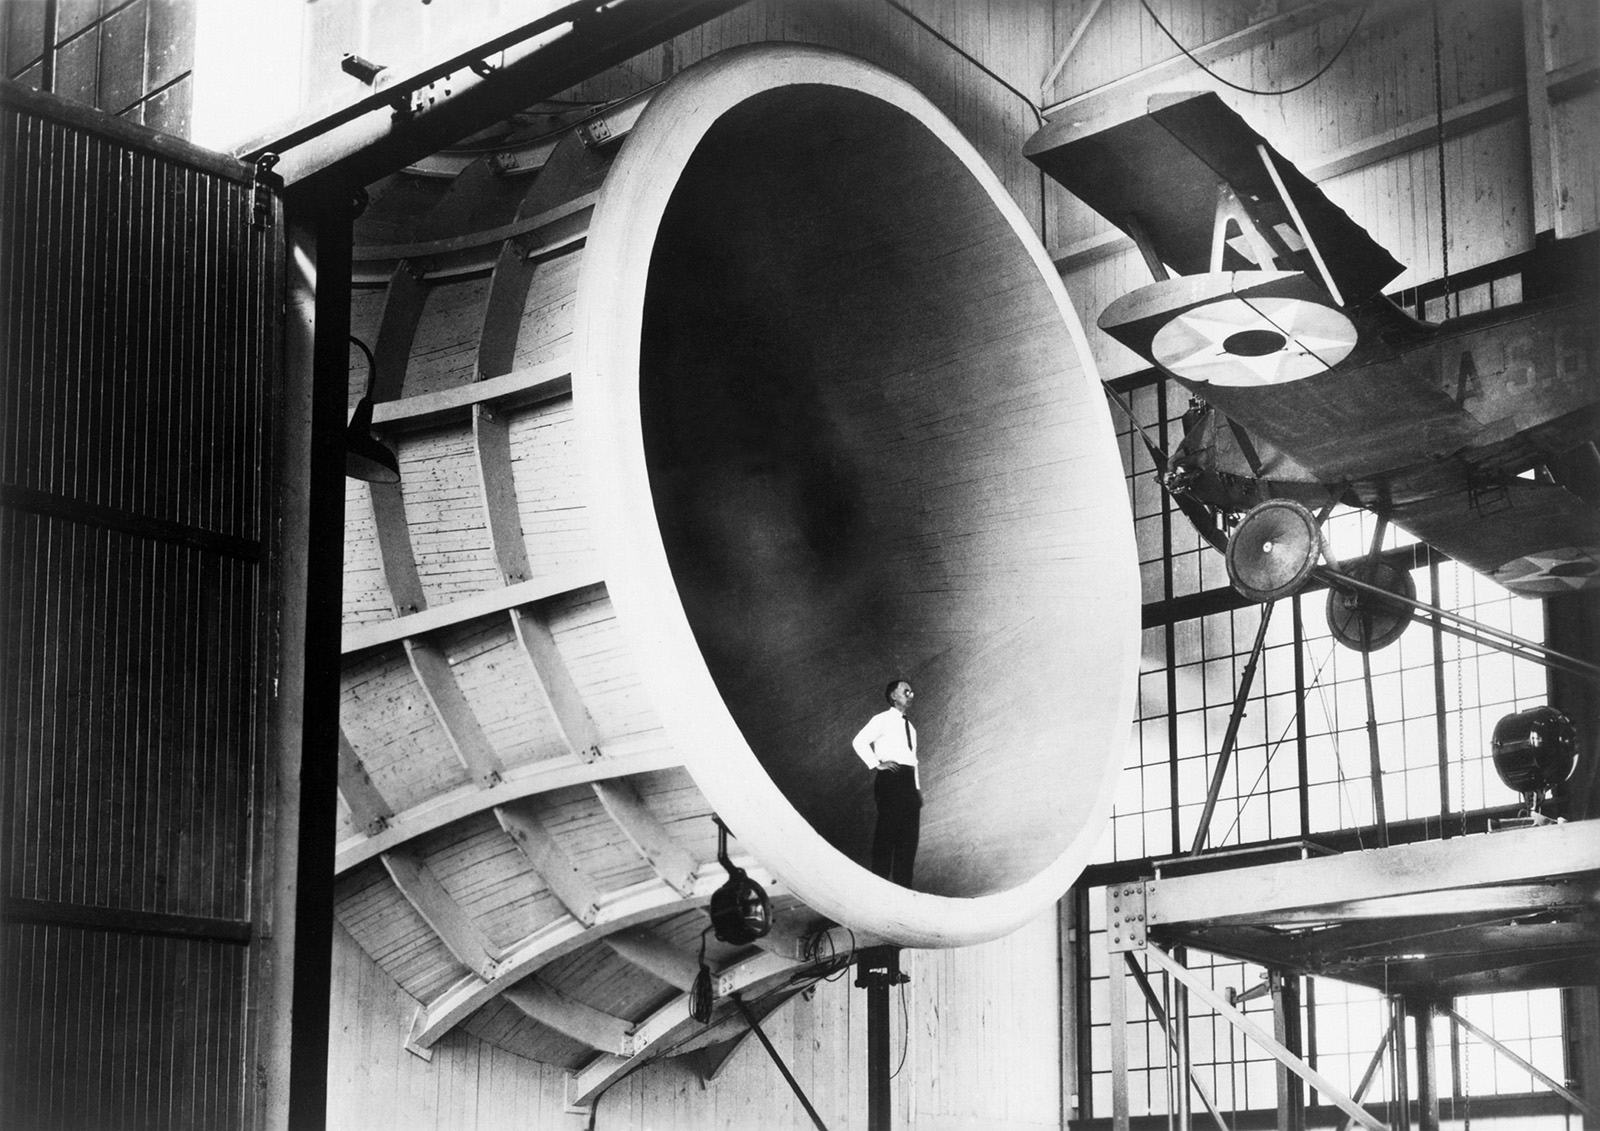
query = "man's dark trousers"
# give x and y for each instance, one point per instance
(894, 840)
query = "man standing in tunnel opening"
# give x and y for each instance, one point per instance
(888, 745)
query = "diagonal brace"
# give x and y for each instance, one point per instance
(1260, 1036)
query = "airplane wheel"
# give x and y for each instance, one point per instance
(1273, 550)
(1386, 621)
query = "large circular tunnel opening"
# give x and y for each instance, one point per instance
(862, 412)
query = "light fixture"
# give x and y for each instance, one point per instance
(1534, 752)
(740, 911)
(365, 456)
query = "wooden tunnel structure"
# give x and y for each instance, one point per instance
(713, 414)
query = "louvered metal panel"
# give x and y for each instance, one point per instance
(139, 342)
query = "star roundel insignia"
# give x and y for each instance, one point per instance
(1254, 341)
(1566, 569)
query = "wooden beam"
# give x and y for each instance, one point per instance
(1451, 869)
(554, 1009)
(564, 878)
(1542, 173)
(376, 634)
(545, 382)
(642, 947)
(670, 860)
(403, 303)
(578, 728)
(461, 725)
(639, 904)
(368, 807)
(491, 441)
(529, 780)
(394, 548)
(422, 889)
(526, 232)
(502, 310)
(1066, 52)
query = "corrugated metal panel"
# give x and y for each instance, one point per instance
(138, 344)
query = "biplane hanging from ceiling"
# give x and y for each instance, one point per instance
(1313, 388)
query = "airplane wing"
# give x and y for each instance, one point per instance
(1260, 348)
(1161, 172)
(1535, 538)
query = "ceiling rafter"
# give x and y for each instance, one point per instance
(569, 883)
(671, 861)
(464, 939)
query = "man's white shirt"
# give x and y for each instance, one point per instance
(888, 737)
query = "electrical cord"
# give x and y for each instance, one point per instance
(905, 1032)
(1145, 4)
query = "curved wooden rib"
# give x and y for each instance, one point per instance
(461, 936)
(492, 442)
(403, 303)
(523, 781)
(461, 727)
(645, 830)
(377, 634)
(402, 309)
(571, 886)
(502, 310)
(636, 905)
(544, 234)
(368, 807)
(536, 383)
(550, 1007)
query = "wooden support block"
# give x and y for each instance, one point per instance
(422, 889)
(565, 879)
(454, 713)
(371, 812)
(669, 859)
(593, 1027)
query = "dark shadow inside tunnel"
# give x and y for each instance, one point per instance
(850, 384)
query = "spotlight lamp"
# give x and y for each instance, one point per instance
(740, 910)
(365, 456)
(1535, 751)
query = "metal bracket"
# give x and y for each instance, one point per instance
(265, 183)
(1125, 917)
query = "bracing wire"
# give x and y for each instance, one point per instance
(905, 1032)
(1361, 15)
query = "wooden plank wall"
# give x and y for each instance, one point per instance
(136, 522)
(980, 1054)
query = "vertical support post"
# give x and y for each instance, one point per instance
(1067, 935)
(1180, 1027)
(1402, 1057)
(878, 969)
(301, 870)
(1117, 1007)
(1427, 1065)
(1541, 167)
(1286, 1028)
